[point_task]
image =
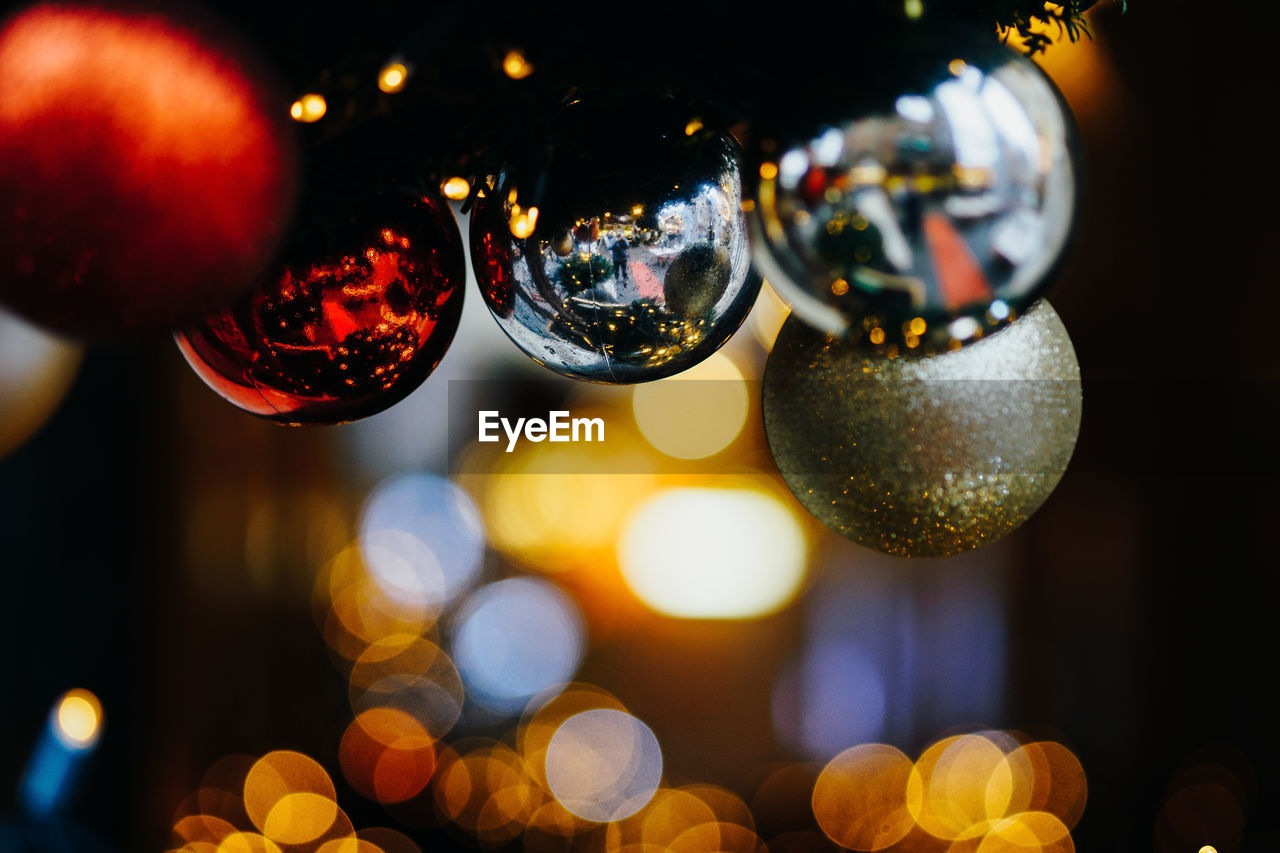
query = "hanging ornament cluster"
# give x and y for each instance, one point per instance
(146, 169)
(351, 323)
(634, 264)
(926, 208)
(908, 216)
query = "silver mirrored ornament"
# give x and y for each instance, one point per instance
(930, 210)
(639, 266)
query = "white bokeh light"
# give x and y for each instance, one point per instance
(603, 764)
(422, 539)
(700, 553)
(514, 639)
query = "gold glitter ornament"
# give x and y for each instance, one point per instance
(924, 457)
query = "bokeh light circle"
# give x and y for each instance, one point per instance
(275, 777)
(860, 798)
(714, 553)
(516, 638)
(422, 538)
(694, 414)
(412, 675)
(604, 765)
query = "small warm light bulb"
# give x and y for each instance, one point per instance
(393, 77)
(456, 188)
(515, 66)
(913, 8)
(693, 127)
(309, 108)
(957, 66)
(79, 719)
(524, 221)
(1208, 848)
(768, 171)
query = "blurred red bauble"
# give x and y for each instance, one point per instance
(147, 169)
(357, 317)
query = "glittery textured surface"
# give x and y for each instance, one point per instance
(924, 457)
(345, 331)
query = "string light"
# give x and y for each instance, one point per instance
(456, 188)
(393, 77)
(309, 108)
(523, 222)
(515, 66)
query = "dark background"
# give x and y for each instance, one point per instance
(1142, 595)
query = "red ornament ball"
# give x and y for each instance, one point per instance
(147, 168)
(351, 324)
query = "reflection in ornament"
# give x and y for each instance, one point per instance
(629, 275)
(924, 457)
(346, 331)
(36, 370)
(926, 218)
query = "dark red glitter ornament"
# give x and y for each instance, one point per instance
(346, 329)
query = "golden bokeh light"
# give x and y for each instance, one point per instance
(349, 845)
(958, 786)
(768, 315)
(300, 818)
(276, 776)
(1058, 784)
(553, 829)
(694, 414)
(1028, 832)
(197, 847)
(388, 840)
(523, 495)
(456, 188)
(247, 842)
(412, 674)
(714, 553)
(393, 77)
(78, 720)
(355, 610)
(515, 66)
(669, 815)
(523, 221)
(202, 829)
(726, 806)
(485, 788)
(387, 755)
(717, 837)
(309, 108)
(546, 714)
(860, 798)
